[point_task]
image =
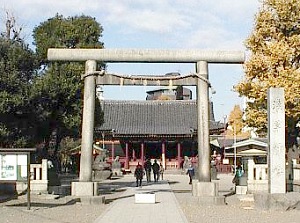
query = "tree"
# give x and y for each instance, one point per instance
(72, 32)
(274, 62)
(68, 146)
(17, 68)
(235, 120)
(57, 92)
(12, 30)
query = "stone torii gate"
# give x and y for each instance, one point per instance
(85, 186)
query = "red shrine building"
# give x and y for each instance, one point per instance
(164, 129)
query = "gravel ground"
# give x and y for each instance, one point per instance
(64, 210)
(237, 209)
(233, 213)
(46, 214)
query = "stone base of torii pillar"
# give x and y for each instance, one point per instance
(207, 192)
(87, 192)
(84, 189)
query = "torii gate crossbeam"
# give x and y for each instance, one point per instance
(146, 55)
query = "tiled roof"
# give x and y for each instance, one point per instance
(152, 117)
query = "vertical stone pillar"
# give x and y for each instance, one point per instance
(258, 171)
(178, 155)
(44, 169)
(28, 180)
(251, 169)
(142, 153)
(37, 174)
(126, 156)
(163, 154)
(203, 122)
(276, 137)
(85, 174)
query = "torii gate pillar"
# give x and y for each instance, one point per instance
(85, 173)
(203, 188)
(203, 122)
(85, 186)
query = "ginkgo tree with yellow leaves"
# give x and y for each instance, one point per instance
(236, 123)
(274, 46)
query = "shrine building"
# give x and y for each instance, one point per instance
(165, 130)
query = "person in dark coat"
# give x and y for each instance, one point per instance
(139, 173)
(155, 168)
(147, 166)
(191, 173)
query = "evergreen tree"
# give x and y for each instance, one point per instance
(17, 69)
(57, 92)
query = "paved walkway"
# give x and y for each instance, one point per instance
(125, 210)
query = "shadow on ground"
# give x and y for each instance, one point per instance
(6, 198)
(44, 204)
(109, 200)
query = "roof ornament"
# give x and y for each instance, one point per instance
(192, 130)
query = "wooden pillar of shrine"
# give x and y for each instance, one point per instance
(179, 158)
(126, 165)
(142, 158)
(133, 154)
(112, 151)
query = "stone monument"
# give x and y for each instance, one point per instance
(277, 198)
(276, 136)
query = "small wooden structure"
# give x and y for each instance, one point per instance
(255, 148)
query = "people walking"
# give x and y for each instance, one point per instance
(139, 173)
(191, 173)
(155, 168)
(161, 172)
(238, 175)
(147, 167)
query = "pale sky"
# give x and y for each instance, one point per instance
(162, 24)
